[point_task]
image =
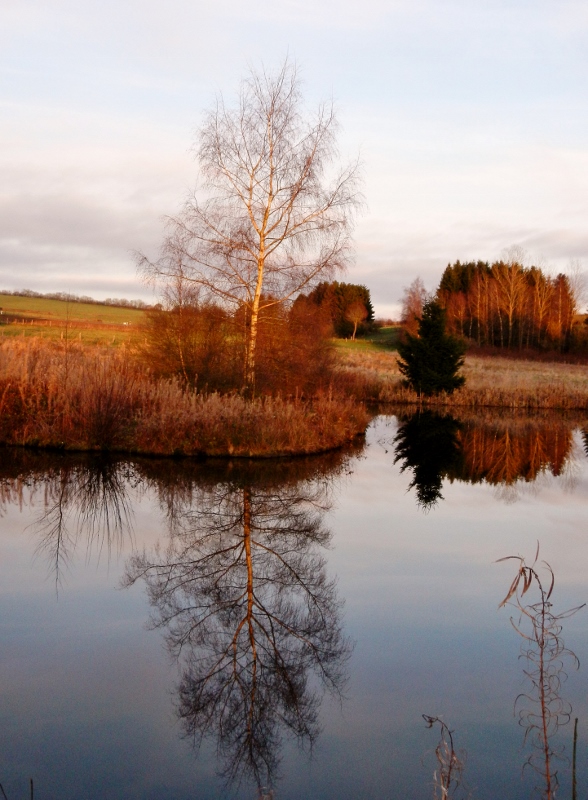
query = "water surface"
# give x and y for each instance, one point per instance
(172, 629)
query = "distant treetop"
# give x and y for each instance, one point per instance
(343, 304)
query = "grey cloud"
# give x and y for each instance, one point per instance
(76, 221)
(391, 260)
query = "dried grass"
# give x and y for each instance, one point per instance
(490, 383)
(99, 399)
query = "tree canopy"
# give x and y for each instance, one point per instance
(348, 306)
(267, 222)
(508, 304)
(431, 360)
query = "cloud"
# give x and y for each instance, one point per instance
(470, 117)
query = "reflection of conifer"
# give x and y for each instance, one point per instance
(428, 444)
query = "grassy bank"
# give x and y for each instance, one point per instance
(490, 383)
(79, 398)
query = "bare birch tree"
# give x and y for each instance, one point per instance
(413, 299)
(268, 220)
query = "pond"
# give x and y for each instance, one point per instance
(175, 629)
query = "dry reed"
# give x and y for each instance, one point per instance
(490, 383)
(73, 398)
(541, 708)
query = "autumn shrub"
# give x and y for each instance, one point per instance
(92, 399)
(295, 355)
(200, 343)
(203, 345)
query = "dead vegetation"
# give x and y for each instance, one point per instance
(76, 398)
(490, 383)
(448, 775)
(541, 708)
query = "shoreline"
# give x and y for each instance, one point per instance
(91, 399)
(103, 400)
(196, 456)
(491, 383)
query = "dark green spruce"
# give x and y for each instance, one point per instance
(431, 360)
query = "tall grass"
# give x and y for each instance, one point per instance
(490, 383)
(75, 398)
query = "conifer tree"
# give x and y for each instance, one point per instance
(431, 360)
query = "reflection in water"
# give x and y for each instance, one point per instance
(427, 443)
(241, 589)
(243, 594)
(498, 451)
(82, 497)
(585, 440)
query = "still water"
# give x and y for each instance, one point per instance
(171, 629)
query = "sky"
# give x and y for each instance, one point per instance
(470, 119)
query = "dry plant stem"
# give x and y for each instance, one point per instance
(449, 776)
(545, 653)
(574, 754)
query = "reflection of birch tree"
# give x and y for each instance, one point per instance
(81, 496)
(243, 595)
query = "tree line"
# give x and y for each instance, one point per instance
(76, 298)
(508, 305)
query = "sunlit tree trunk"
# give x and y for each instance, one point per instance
(266, 223)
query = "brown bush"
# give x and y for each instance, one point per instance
(86, 399)
(204, 346)
(199, 343)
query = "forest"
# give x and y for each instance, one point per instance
(508, 305)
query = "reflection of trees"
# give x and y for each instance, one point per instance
(81, 496)
(500, 452)
(427, 443)
(241, 590)
(585, 440)
(510, 450)
(243, 594)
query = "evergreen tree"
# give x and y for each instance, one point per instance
(431, 360)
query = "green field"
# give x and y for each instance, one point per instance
(46, 309)
(381, 339)
(91, 323)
